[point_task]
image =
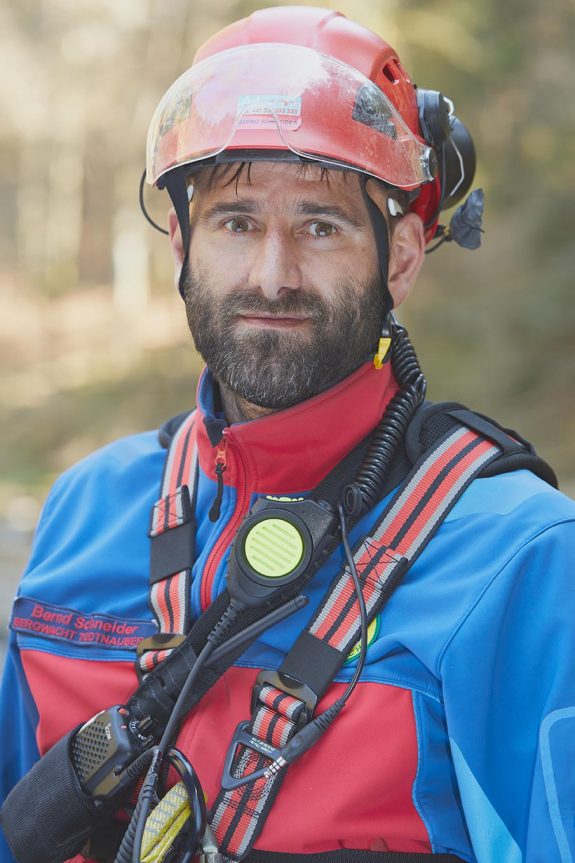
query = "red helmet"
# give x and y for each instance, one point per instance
(304, 80)
(301, 82)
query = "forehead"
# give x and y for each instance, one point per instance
(281, 184)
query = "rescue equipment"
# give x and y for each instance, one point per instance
(457, 445)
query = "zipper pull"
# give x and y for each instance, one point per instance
(214, 512)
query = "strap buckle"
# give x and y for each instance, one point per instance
(290, 686)
(244, 737)
(159, 641)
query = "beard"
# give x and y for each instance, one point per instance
(277, 368)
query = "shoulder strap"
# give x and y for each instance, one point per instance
(172, 547)
(284, 701)
(432, 421)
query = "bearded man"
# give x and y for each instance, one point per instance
(357, 638)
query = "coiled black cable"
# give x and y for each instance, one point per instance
(365, 491)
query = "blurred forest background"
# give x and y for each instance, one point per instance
(93, 338)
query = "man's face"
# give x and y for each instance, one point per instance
(282, 290)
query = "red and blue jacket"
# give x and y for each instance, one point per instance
(459, 738)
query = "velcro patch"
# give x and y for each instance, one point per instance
(63, 624)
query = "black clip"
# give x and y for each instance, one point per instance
(243, 737)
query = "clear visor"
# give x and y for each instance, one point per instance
(278, 96)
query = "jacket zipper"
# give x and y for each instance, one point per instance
(230, 529)
(221, 464)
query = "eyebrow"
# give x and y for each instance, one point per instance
(311, 208)
(304, 208)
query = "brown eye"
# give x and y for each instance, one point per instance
(321, 229)
(237, 225)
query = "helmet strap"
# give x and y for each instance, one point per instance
(381, 235)
(178, 191)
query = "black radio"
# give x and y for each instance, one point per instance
(103, 748)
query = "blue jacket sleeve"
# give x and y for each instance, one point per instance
(509, 688)
(18, 721)
(18, 713)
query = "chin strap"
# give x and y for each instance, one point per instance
(381, 236)
(177, 188)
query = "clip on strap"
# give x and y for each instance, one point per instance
(251, 770)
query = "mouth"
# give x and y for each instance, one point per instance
(283, 322)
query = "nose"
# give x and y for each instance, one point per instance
(274, 267)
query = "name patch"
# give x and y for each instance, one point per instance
(63, 624)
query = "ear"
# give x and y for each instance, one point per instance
(176, 244)
(407, 253)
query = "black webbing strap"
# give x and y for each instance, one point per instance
(381, 236)
(254, 767)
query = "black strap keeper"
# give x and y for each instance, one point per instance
(172, 551)
(313, 662)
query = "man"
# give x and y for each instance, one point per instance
(300, 219)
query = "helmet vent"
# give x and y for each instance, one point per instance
(390, 73)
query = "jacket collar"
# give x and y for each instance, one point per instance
(292, 450)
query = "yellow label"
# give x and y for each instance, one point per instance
(382, 349)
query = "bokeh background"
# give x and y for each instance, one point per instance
(93, 339)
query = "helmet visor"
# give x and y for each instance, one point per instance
(275, 96)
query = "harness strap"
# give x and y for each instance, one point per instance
(169, 657)
(172, 535)
(286, 699)
(381, 559)
(172, 532)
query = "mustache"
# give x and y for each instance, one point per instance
(295, 302)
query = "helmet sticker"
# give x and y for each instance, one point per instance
(372, 109)
(178, 112)
(255, 110)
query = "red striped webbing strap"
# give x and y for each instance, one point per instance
(170, 593)
(381, 558)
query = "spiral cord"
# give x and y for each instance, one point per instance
(364, 492)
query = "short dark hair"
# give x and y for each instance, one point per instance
(232, 172)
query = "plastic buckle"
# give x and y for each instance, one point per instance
(290, 686)
(159, 641)
(243, 737)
